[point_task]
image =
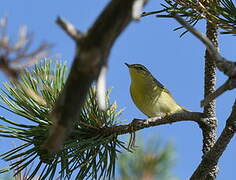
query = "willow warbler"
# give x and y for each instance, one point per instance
(149, 95)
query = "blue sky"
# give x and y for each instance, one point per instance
(176, 62)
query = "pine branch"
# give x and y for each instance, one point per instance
(209, 112)
(90, 153)
(222, 13)
(209, 134)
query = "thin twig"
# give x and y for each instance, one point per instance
(228, 85)
(15, 56)
(152, 12)
(224, 65)
(69, 29)
(211, 48)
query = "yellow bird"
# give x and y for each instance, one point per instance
(149, 95)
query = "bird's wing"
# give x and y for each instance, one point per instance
(163, 87)
(157, 82)
(168, 92)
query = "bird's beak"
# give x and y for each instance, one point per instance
(128, 65)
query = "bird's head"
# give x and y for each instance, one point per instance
(138, 71)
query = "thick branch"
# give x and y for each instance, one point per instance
(211, 159)
(212, 56)
(209, 134)
(92, 55)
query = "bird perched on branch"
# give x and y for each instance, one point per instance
(149, 95)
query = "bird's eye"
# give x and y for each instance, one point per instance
(140, 68)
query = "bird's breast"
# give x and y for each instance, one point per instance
(153, 101)
(146, 99)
